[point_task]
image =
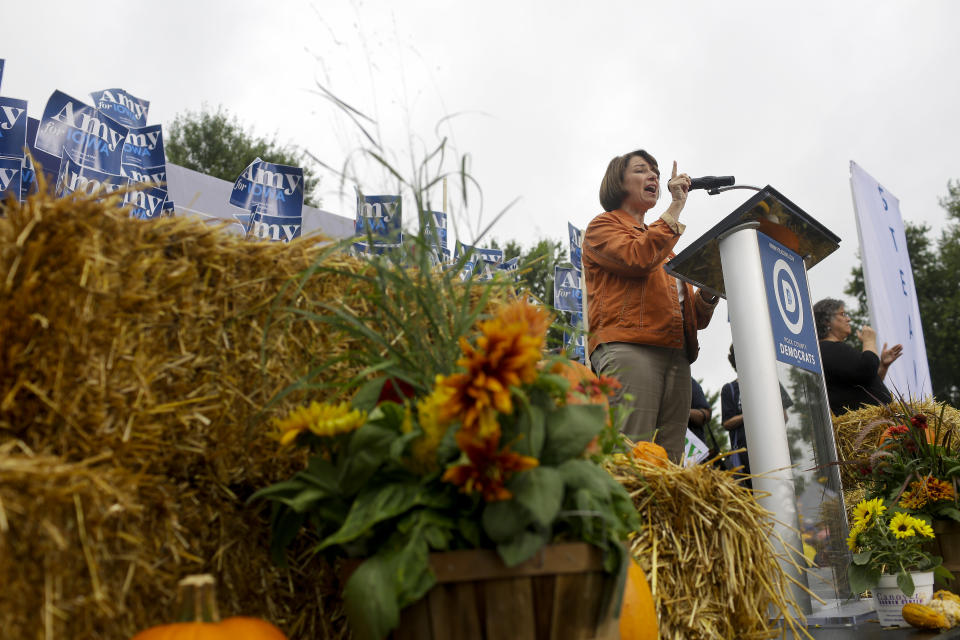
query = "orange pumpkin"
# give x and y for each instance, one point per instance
(638, 615)
(650, 452)
(201, 618)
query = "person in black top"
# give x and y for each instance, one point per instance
(731, 414)
(853, 379)
(700, 411)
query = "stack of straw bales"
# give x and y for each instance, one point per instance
(136, 359)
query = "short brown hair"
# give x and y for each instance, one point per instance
(611, 187)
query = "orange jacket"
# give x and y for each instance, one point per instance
(630, 298)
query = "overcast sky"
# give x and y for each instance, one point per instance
(544, 94)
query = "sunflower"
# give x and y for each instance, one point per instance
(939, 489)
(901, 525)
(322, 419)
(429, 409)
(867, 510)
(507, 352)
(921, 527)
(852, 538)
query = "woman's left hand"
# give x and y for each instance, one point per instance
(678, 185)
(887, 356)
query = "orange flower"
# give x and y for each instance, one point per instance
(506, 355)
(929, 490)
(488, 469)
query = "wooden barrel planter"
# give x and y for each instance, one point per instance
(562, 593)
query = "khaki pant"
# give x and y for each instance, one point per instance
(658, 378)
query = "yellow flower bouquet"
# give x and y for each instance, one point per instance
(889, 541)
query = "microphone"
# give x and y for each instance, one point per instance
(712, 182)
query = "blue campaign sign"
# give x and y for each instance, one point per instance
(10, 182)
(274, 228)
(143, 149)
(1, 72)
(74, 127)
(273, 190)
(123, 107)
(380, 216)
(146, 203)
(13, 127)
(38, 159)
(576, 246)
(149, 175)
(75, 178)
(788, 299)
(168, 209)
(437, 233)
(567, 294)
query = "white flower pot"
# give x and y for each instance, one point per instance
(890, 600)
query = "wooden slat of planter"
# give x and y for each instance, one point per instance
(463, 566)
(576, 601)
(543, 587)
(453, 612)
(414, 621)
(508, 609)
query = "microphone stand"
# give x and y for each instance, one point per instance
(717, 190)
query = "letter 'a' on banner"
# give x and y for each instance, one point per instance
(888, 276)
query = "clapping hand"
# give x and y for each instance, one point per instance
(887, 356)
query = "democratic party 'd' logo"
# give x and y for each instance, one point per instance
(788, 293)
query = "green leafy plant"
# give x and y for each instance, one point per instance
(889, 541)
(460, 437)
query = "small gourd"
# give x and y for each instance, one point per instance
(200, 618)
(650, 452)
(923, 617)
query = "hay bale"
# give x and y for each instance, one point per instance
(858, 433)
(136, 360)
(705, 547)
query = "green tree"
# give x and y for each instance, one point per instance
(536, 269)
(217, 144)
(935, 265)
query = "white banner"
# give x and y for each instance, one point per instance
(891, 296)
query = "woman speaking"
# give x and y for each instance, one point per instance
(643, 322)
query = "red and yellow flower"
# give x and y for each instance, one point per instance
(488, 467)
(505, 356)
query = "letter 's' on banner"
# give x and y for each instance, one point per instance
(891, 296)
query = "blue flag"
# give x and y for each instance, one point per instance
(123, 107)
(13, 127)
(72, 127)
(10, 182)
